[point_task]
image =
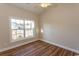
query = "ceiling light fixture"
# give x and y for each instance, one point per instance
(45, 5)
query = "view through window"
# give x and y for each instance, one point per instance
(22, 28)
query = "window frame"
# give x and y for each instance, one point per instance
(25, 38)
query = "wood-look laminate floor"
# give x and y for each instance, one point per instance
(38, 48)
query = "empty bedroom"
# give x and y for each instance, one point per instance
(39, 29)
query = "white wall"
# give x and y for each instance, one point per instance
(7, 11)
(61, 25)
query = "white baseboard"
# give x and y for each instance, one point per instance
(67, 48)
(1, 50)
(4, 49)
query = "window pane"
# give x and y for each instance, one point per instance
(13, 24)
(29, 24)
(19, 21)
(20, 33)
(28, 33)
(17, 24)
(14, 34)
(32, 24)
(20, 24)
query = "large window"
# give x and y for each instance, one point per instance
(22, 28)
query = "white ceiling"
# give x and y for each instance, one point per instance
(33, 7)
